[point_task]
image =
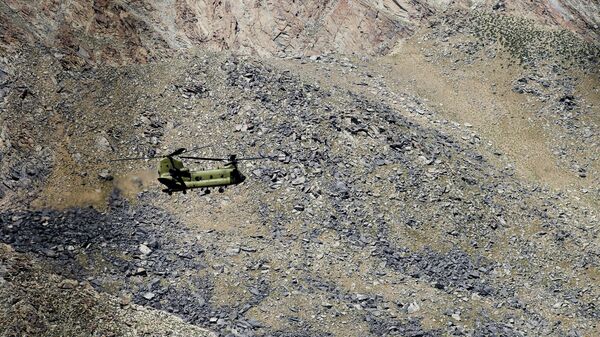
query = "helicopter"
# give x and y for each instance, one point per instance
(177, 178)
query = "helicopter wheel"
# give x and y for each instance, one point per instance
(221, 189)
(169, 192)
(184, 191)
(207, 191)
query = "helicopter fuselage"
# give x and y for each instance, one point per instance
(176, 177)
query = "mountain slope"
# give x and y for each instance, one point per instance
(449, 187)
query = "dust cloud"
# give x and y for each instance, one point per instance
(134, 182)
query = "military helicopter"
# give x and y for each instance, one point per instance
(177, 178)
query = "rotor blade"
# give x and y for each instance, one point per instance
(202, 158)
(248, 158)
(176, 152)
(254, 158)
(138, 158)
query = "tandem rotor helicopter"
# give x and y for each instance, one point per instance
(177, 178)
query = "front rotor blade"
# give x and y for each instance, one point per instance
(176, 152)
(125, 159)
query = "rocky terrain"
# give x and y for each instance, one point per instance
(36, 303)
(435, 174)
(116, 31)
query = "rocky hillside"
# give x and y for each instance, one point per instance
(443, 180)
(124, 31)
(114, 31)
(33, 301)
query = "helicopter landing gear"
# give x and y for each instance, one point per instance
(221, 189)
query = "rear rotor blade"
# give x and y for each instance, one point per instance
(202, 158)
(254, 158)
(230, 162)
